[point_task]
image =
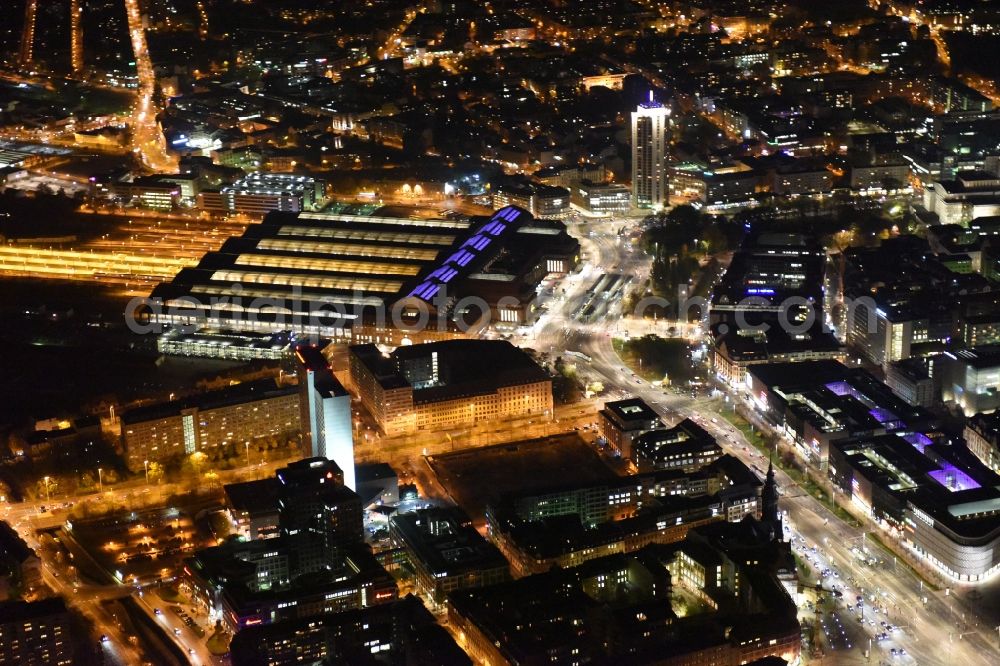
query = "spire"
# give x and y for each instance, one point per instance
(769, 503)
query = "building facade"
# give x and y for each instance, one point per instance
(233, 417)
(36, 633)
(441, 385)
(650, 155)
(327, 428)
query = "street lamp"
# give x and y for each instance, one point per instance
(247, 445)
(145, 466)
(47, 479)
(100, 480)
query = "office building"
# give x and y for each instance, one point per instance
(941, 500)
(253, 508)
(621, 421)
(717, 187)
(735, 350)
(327, 428)
(358, 277)
(816, 403)
(537, 198)
(912, 380)
(260, 193)
(774, 278)
(600, 199)
(36, 633)
(316, 564)
(970, 378)
(446, 552)
(650, 155)
(449, 384)
(227, 420)
(155, 192)
(566, 525)
(404, 632)
(901, 299)
(687, 446)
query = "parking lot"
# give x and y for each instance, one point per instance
(140, 547)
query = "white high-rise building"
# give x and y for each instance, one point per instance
(650, 148)
(326, 412)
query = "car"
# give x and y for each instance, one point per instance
(190, 650)
(105, 639)
(158, 611)
(177, 632)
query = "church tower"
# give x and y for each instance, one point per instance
(769, 513)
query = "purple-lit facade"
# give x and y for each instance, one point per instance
(935, 497)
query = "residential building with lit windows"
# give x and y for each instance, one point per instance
(982, 437)
(449, 384)
(404, 632)
(36, 633)
(236, 416)
(618, 608)
(352, 276)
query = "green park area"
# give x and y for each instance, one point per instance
(658, 359)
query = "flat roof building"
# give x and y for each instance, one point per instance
(686, 446)
(316, 564)
(941, 500)
(970, 378)
(620, 609)
(446, 551)
(567, 525)
(448, 384)
(621, 421)
(232, 417)
(260, 193)
(327, 428)
(404, 632)
(36, 633)
(815, 403)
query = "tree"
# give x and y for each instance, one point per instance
(156, 472)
